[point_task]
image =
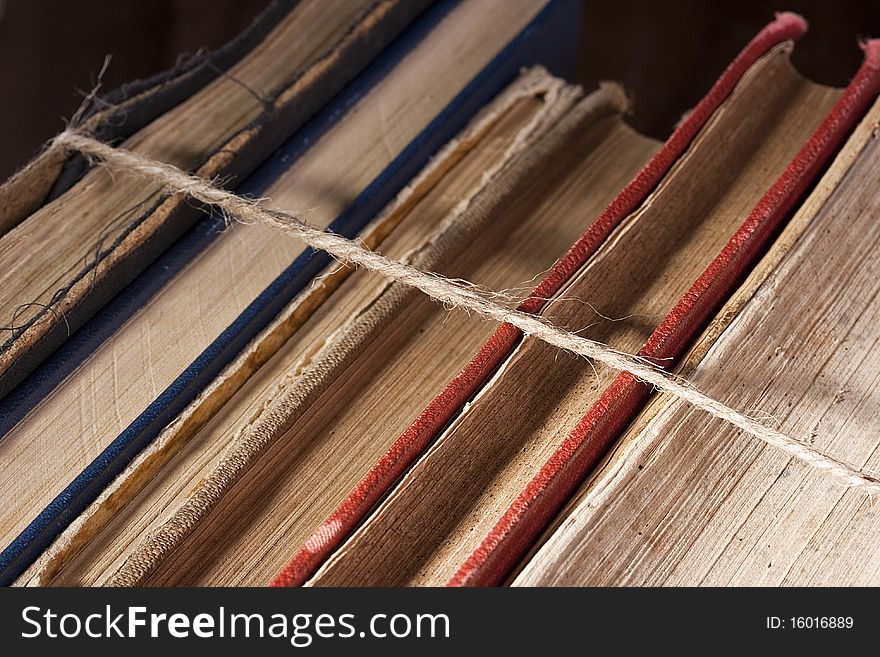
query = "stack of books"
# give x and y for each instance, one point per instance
(186, 400)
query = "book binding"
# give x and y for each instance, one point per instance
(513, 535)
(407, 447)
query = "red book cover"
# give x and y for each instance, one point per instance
(540, 500)
(538, 503)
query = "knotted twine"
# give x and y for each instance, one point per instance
(455, 294)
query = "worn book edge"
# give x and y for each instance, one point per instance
(157, 228)
(502, 344)
(626, 453)
(536, 82)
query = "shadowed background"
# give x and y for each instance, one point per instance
(667, 53)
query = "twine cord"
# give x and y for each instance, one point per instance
(455, 294)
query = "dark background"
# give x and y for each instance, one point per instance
(666, 53)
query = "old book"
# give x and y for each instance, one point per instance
(462, 514)
(264, 498)
(233, 408)
(429, 224)
(123, 111)
(686, 501)
(391, 120)
(50, 287)
(333, 409)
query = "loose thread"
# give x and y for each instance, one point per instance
(457, 295)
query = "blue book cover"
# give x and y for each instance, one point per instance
(551, 40)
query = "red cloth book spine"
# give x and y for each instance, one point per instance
(540, 501)
(407, 447)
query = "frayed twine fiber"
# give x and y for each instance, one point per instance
(454, 294)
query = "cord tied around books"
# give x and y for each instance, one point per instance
(454, 294)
